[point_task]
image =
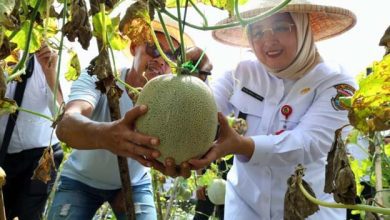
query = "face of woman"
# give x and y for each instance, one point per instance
(274, 41)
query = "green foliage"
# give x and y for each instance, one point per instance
(21, 37)
(227, 5)
(6, 7)
(104, 26)
(370, 109)
(74, 71)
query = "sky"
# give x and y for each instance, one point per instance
(355, 49)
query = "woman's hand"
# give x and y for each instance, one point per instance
(228, 142)
(170, 168)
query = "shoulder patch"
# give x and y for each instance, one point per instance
(343, 90)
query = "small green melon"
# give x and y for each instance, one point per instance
(182, 113)
(216, 191)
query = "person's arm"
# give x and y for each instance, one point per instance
(119, 137)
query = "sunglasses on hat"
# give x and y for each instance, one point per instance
(152, 51)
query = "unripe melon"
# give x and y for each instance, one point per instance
(182, 113)
(216, 191)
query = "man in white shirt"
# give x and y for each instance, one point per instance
(25, 198)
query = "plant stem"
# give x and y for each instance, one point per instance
(155, 40)
(22, 62)
(56, 85)
(35, 113)
(183, 56)
(385, 211)
(200, 13)
(165, 31)
(265, 14)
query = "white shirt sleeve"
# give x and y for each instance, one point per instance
(223, 89)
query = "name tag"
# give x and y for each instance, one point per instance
(253, 94)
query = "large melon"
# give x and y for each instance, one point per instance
(182, 113)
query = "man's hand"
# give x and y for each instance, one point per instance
(205, 66)
(47, 58)
(121, 138)
(170, 168)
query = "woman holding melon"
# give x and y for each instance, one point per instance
(289, 97)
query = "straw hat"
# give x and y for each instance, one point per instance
(173, 30)
(326, 21)
(172, 27)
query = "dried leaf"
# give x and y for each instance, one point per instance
(136, 23)
(371, 216)
(99, 66)
(45, 166)
(6, 47)
(296, 205)
(113, 95)
(7, 106)
(238, 124)
(6, 18)
(329, 170)
(339, 179)
(79, 25)
(371, 102)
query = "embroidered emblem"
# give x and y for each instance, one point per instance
(343, 90)
(305, 90)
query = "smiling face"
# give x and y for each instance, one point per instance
(274, 41)
(147, 61)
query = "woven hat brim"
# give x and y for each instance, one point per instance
(325, 21)
(174, 32)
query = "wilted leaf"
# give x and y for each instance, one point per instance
(7, 106)
(371, 103)
(329, 169)
(136, 23)
(6, 18)
(296, 205)
(79, 25)
(74, 68)
(339, 179)
(114, 93)
(238, 124)
(99, 66)
(5, 45)
(45, 166)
